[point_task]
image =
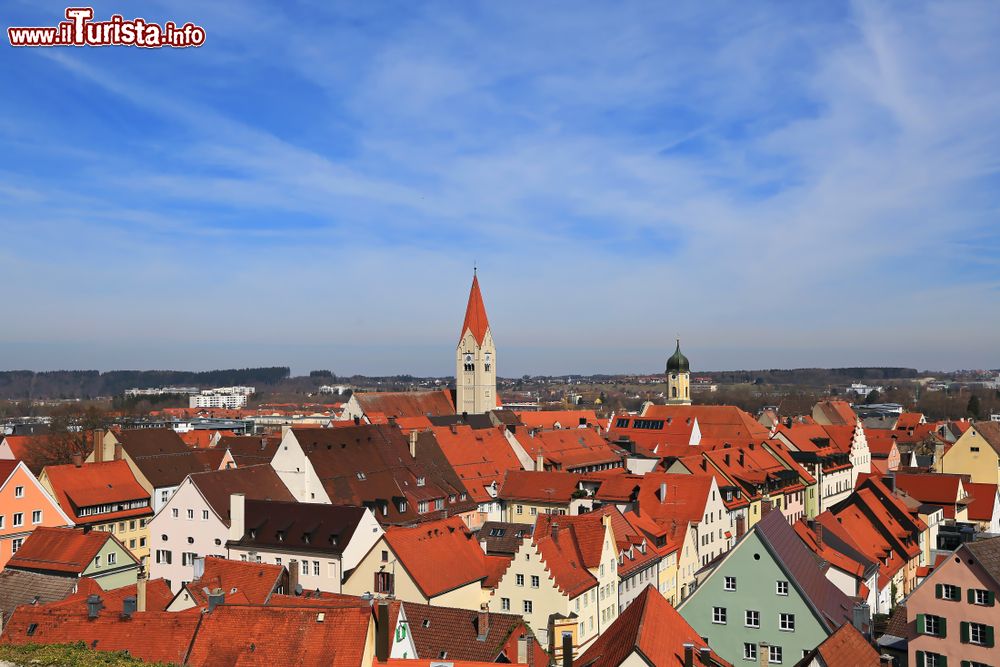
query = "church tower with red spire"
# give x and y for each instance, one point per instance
(476, 358)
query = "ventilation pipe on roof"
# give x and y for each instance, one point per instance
(663, 492)
(140, 590)
(118, 451)
(818, 529)
(78, 460)
(413, 444)
(483, 622)
(128, 606)
(293, 577)
(688, 654)
(861, 618)
(215, 598)
(94, 606)
(885, 660)
(382, 631)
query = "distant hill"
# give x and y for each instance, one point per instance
(814, 377)
(19, 385)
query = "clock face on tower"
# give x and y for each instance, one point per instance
(489, 357)
(468, 358)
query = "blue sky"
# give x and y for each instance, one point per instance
(782, 184)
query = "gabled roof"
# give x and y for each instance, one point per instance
(685, 500)
(457, 633)
(258, 482)
(145, 442)
(567, 449)
(406, 403)
(68, 550)
(562, 554)
(987, 552)
(372, 464)
(7, 467)
(158, 596)
(152, 636)
(93, 484)
(937, 489)
(249, 450)
(549, 419)
(982, 497)
(504, 538)
(651, 628)
(19, 587)
(990, 431)
(547, 486)
(588, 531)
(249, 635)
(439, 556)
(797, 561)
(834, 412)
(22, 447)
(240, 581)
(480, 457)
(846, 646)
(299, 526)
(475, 314)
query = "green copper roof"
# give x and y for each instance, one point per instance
(678, 362)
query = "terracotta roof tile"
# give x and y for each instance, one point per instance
(96, 484)
(480, 457)
(440, 556)
(567, 419)
(539, 486)
(152, 636)
(651, 628)
(248, 635)
(68, 550)
(406, 403)
(253, 582)
(846, 646)
(258, 482)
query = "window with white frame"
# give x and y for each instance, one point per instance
(719, 615)
(781, 588)
(527, 606)
(19, 492)
(190, 514)
(982, 597)
(749, 651)
(18, 519)
(774, 655)
(752, 618)
(36, 517)
(97, 560)
(175, 512)
(535, 581)
(504, 604)
(729, 584)
(112, 559)
(163, 556)
(15, 544)
(950, 592)
(933, 626)
(519, 580)
(305, 567)
(316, 568)
(204, 515)
(980, 634)
(786, 622)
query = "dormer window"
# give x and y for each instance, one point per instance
(421, 481)
(361, 475)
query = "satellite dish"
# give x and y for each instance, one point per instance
(298, 589)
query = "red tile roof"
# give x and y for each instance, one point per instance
(936, 489)
(60, 549)
(96, 484)
(983, 497)
(475, 314)
(568, 449)
(248, 635)
(152, 636)
(480, 457)
(252, 583)
(546, 486)
(549, 419)
(7, 467)
(158, 596)
(440, 556)
(406, 403)
(651, 628)
(563, 557)
(837, 412)
(846, 646)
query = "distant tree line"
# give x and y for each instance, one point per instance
(813, 377)
(16, 385)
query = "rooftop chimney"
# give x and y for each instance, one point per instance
(663, 492)
(392, 420)
(763, 649)
(293, 577)
(237, 516)
(705, 655)
(861, 618)
(215, 598)
(741, 525)
(540, 462)
(413, 444)
(98, 445)
(818, 529)
(140, 590)
(688, 654)
(263, 442)
(567, 649)
(382, 631)
(94, 606)
(78, 460)
(885, 660)
(484, 621)
(118, 451)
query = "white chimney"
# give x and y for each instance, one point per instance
(237, 516)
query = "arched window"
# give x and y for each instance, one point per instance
(673, 392)
(685, 392)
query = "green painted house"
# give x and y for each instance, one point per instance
(75, 553)
(768, 594)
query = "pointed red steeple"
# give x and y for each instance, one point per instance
(475, 313)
